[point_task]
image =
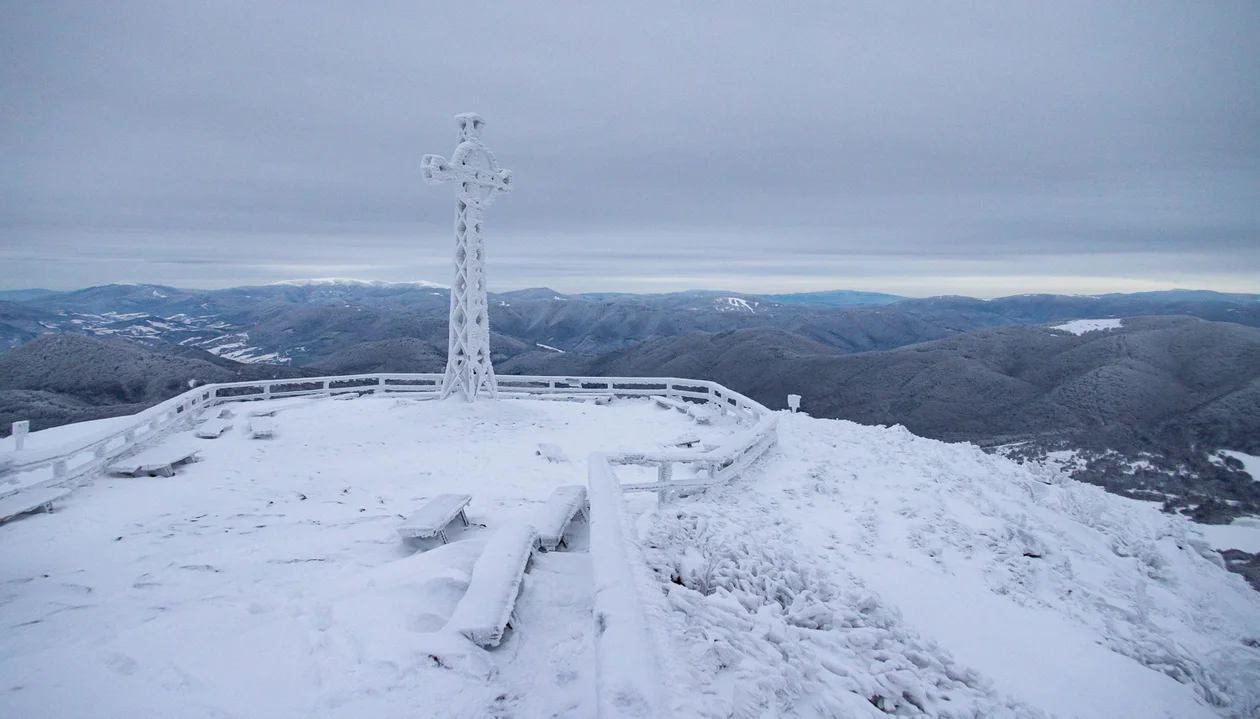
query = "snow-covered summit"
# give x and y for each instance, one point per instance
(854, 571)
(320, 281)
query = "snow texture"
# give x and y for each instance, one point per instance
(863, 571)
(487, 606)
(1080, 327)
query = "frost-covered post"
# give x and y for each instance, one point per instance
(479, 180)
(20, 430)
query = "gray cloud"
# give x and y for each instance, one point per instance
(926, 149)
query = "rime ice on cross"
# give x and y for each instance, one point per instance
(468, 368)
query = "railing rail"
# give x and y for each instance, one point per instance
(62, 464)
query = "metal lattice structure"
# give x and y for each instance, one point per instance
(479, 181)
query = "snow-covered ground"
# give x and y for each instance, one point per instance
(854, 571)
(1243, 533)
(268, 580)
(1080, 327)
(861, 567)
(1250, 463)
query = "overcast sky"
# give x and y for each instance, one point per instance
(915, 148)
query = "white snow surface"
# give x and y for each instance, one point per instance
(862, 566)
(1250, 463)
(854, 571)
(1243, 533)
(1080, 327)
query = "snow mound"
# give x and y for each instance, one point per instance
(1080, 327)
(863, 571)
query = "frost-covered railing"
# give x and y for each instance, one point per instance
(64, 463)
(627, 683)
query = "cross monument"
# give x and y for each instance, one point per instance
(479, 180)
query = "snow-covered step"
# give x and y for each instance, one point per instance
(554, 517)
(486, 608)
(31, 500)
(213, 428)
(431, 519)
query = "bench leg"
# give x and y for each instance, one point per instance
(442, 536)
(463, 517)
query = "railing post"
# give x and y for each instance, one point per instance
(59, 469)
(380, 384)
(267, 391)
(20, 430)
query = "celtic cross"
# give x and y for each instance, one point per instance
(479, 180)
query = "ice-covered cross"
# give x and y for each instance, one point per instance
(475, 169)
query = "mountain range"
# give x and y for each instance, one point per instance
(1140, 408)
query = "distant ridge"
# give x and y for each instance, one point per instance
(354, 282)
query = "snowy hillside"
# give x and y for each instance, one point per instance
(854, 571)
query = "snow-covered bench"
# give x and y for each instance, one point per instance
(260, 427)
(552, 452)
(431, 519)
(31, 500)
(213, 428)
(557, 513)
(486, 608)
(686, 440)
(157, 461)
(668, 403)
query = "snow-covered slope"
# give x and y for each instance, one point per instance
(853, 572)
(861, 569)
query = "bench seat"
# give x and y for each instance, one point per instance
(29, 500)
(554, 516)
(486, 608)
(212, 428)
(431, 519)
(157, 461)
(552, 452)
(260, 427)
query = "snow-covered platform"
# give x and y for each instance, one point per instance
(267, 579)
(850, 571)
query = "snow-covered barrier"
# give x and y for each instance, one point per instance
(59, 465)
(627, 683)
(62, 464)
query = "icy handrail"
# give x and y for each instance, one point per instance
(67, 461)
(627, 682)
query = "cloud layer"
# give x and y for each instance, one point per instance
(929, 149)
